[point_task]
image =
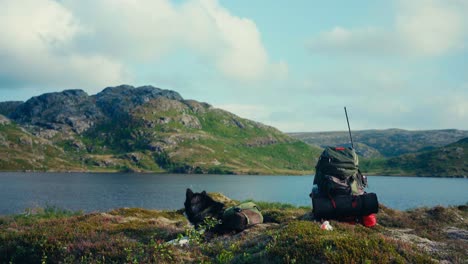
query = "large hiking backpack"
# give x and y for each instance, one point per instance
(241, 216)
(337, 172)
(340, 193)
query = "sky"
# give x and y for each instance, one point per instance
(293, 65)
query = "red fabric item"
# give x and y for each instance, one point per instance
(339, 148)
(369, 220)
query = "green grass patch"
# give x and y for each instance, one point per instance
(305, 242)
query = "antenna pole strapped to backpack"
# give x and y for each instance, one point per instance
(349, 128)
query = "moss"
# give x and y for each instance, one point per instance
(426, 222)
(305, 242)
(146, 213)
(94, 236)
(129, 235)
(282, 216)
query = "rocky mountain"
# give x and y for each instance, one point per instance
(448, 161)
(142, 129)
(385, 143)
(6, 108)
(20, 150)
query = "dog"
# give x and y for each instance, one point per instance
(199, 206)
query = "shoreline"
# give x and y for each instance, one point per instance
(371, 174)
(41, 209)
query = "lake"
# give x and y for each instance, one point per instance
(104, 191)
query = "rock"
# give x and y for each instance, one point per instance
(78, 145)
(457, 233)
(459, 152)
(4, 120)
(23, 140)
(3, 141)
(157, 146)
(190, 121)
(163, 120)
(74, 110)
(238, 123)
(68, 110)
(78, 124)
(158, 121)
(120, 100)
(425, 244)
(6, 108)
(46, 133)
(197, 107)
(134, 157)
(103, 163)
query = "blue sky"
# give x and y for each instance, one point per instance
(289, 64)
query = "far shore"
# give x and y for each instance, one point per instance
(309, 173)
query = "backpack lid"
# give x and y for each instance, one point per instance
(340, 162)
(340, 155)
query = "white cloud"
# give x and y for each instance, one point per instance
(354, 41)
(92, 43)
(421, 28)
(148, 29)
(35, 48)
(431, 27)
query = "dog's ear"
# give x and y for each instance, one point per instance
(203, 193)
(189, 194)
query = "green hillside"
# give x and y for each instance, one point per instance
(385, 143)
(20, 150)
(145, 129)
(449, 161)
(191, 137)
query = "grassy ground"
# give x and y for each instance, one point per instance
(134, 235)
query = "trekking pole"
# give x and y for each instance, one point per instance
(349, 128)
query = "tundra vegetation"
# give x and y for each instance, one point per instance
(288, 235)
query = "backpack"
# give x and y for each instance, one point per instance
(241, 216)
(337, 172)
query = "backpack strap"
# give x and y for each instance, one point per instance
(332, 200)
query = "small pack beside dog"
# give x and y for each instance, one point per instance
(199, 206)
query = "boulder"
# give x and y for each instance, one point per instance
(120, 100)
(67, 110)
(6, 108)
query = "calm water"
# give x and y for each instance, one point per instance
(101, 191)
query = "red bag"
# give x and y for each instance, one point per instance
(369, 220)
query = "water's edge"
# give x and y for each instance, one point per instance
(104, 191)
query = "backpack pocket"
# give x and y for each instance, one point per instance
(336, 186)
(242, 216)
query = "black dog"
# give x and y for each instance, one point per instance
(199, 206)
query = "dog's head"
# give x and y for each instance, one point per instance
(199, 206)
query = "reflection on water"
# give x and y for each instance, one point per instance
(101, 191)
